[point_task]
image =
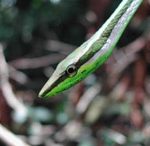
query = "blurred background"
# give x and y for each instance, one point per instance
(109, 108)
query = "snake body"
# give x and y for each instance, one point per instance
(92, 53)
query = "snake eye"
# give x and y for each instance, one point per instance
(71, 70)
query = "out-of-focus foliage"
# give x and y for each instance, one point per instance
(25, 25)
(109, 108)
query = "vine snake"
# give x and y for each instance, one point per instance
(92, 53)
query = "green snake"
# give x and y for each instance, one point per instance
(91, 54)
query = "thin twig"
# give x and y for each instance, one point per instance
(87, 98)
(126, 56)
(57, 46)
(33, 63)
(7, 91)
(17, 75)
(9, 138)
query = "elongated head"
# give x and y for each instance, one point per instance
(70, 71)
(67, 74)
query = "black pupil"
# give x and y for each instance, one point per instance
(71, 69)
